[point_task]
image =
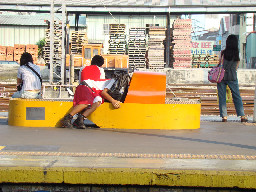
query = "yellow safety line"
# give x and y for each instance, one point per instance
(1, 147)
(134, 155)
(129, 176)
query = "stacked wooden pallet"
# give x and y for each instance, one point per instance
(57, 44)
(9, 53)
(78, 39)
(213, 60)
(2, 53)
(18, 50)
(155, 55)
(205, 61)
(117, 39)
(181, 34)
(33, 50)
(137, 48)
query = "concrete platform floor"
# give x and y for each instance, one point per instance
(207, 157)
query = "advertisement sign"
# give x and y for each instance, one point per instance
(216, 47)
(202, 47)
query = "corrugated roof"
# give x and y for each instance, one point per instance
(133, 6)
(95, 2)
(132, 2)
(36, 20)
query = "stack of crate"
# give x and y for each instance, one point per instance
(33, 50)
(117, 39)
(213, 60)
(137, 48)
(18, 51)
(57, 44)
(2, 53)
(9, 53)
(181, 34)
(155, 55)
(205, 61)
(78, 39)
(196, 61)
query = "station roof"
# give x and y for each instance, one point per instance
(36, 20)
(133, 6)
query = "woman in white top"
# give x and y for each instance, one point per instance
(28, 82)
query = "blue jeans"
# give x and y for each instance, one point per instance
(233, 85)
(27, 95)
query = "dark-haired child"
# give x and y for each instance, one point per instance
(88, 95)
(28, 81)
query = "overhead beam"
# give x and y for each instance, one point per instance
(135, 9)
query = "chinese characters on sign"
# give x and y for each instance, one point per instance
(202, 47)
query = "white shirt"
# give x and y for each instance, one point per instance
(30, 80)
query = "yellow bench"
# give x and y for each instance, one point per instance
(147, 111)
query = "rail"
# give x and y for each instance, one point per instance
(60, 89)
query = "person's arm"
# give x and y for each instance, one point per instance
(19, 77)
(220, 56)
(105, 95)
(237, 65)
(19, 81)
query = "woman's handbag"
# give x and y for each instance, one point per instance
(216, 74)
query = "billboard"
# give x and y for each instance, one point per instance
(202, 47)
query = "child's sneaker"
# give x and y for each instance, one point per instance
(79, 122)
(66, 122)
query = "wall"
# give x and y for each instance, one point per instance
(12, 34)
(200, 76)
(17, 34)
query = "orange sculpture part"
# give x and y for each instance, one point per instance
(147, 88)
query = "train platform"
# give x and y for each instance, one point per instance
(218, 155)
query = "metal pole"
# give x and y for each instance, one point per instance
(254, 109)
(63, 55)
(51, 41)
(71, 69)
(168, 41)
(67, 47)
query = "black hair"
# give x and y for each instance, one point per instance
(97, 60)
(25, 58)
(231, 51)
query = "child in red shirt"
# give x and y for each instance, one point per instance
(88, 95)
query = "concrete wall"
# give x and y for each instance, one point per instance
(200, 76)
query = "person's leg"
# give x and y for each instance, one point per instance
(67, 119)
(17, 95)
(222, 99)
(234, 87)
(78, 108)
(30, 95)
(91, 109)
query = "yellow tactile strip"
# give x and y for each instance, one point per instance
(2, 147)
(129, 176)
(135, 155)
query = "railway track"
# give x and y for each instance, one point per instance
(209, 99)
(206, 93)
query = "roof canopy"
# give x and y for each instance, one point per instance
(37, 20)
(134, 6)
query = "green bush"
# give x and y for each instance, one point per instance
(41, 45)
